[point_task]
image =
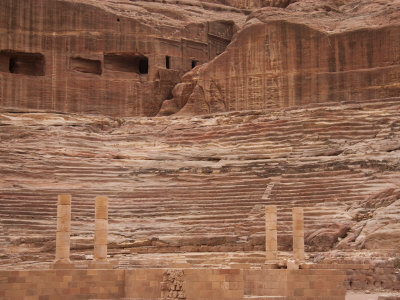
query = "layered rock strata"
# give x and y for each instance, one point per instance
(101, 228)
(201, 183)
(307, 53)
(55, 55)
(118, 58)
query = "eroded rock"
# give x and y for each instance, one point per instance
(311, 52)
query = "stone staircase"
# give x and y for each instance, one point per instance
(192, 184)
(247, 297)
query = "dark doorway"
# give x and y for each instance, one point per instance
(22, 63)
(126, 62)
(12, 66)
(143, 65)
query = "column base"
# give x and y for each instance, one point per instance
(292, 264)
(270, 265)
(62, 264)
(100, 264)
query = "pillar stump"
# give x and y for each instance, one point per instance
(63, 229)
(271, 241)
(298, 233)
(101, 227)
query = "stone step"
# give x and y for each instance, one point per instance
(250, 297)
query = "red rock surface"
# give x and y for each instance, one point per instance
(60, 58)
(304, 107)
(310, 52)
(119, 58)
(200, 183)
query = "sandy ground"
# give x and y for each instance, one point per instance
(369, 296)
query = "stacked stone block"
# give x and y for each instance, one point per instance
(172, 285)
(267, 282)
(189, 284)
(298, 233)
(101, 227)
(63, 229)
(198, 284)
(315, 284)
(271, 240)
(62, 284)
(143, 283)
(210, 284)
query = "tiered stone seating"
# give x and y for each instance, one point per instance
(190, 184)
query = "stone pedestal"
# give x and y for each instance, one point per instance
(101, 227)
(271, 241)
(298, 233)
(102, 264)
(292, 264)
(63, 229)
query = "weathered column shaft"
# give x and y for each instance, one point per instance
(101, 227)
(298, 233)
(271, 241)
(63, 228)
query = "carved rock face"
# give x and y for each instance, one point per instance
(201, 183)
(299, 56)
(126, 65)
(307, 93)
(277, 3)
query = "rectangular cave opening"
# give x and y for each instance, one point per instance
(194, 63)
(167, 62)
(85, 65)
(22, 63)
(4, 63)
(126, 62)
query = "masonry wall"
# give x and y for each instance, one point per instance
(204, 284)
(265, 282)
(143, 283)
(296, 284)
(315, 284)
(189, 284)
(62, 284)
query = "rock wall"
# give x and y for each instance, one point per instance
(200, 284)
(281, 64)
(56, 55)
(172, 285)
(251, 4)
(382, 275)
(200, 184)
(62, 284)
(73, 57)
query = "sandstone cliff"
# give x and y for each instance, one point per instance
(200, 183)
(56, 56)
(119, 58)
(309, 52)
(304, 103)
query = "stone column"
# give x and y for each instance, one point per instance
(101, 226)
(63, 229)
(298, 233)
(271, 241)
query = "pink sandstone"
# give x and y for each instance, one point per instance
(259, 102)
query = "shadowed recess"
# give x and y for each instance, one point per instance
(22, 63)
(86, 65)
(126, 62)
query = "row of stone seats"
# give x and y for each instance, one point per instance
(182, 182)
